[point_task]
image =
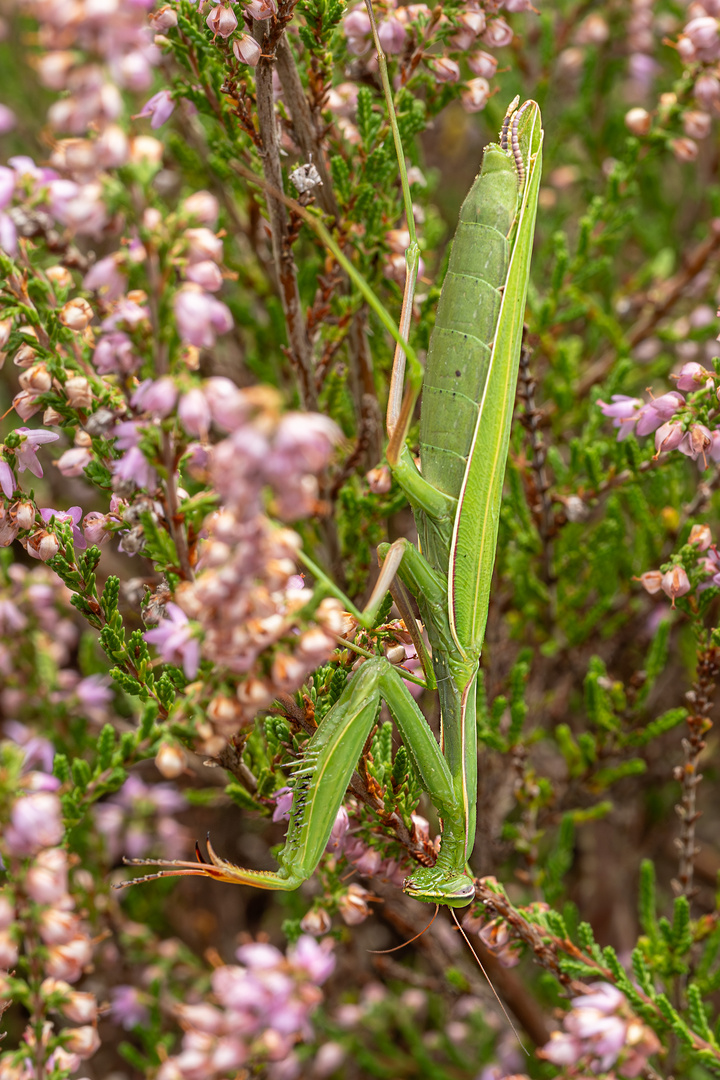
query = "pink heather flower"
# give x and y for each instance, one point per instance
(497, 34)
(74, 461)
(72, 517)
(157, 397)
(624, 411)
(35, 823)
(651, 581)
(246, 50)
(475, 96)
(445, 70)
(312, 957)
(46, 880)
(357, 23)
(258, 956)
(160, 108)
(696, 443)
(202, 206)
(26, 452)
(206, 274)
(483, 64)
(174, 641)
(134, 467)
(701, 537)
(338, 831)
(8, 235)
(94, 692)
(222, 21)
(675, 583)
(127, 1007)
(228, 406)
(114, 353)
(203, 244)
(105, 277)
(307, 440)
(669, 436)
(200, 317)
(7, 186)
(7, 479)
(657, 411)
(127, 315)
(605, 997)
(563, 1049)
(194, 412)
(261, 9)
(283, 804)
(95, 527)
(392, 35)
(8, 120)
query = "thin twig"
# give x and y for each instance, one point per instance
(700, 701)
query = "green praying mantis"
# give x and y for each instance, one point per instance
(467, 405)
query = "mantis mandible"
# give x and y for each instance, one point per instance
(467, 406)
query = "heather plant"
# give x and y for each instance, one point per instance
(193, 489)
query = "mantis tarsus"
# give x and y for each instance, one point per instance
(467, 406)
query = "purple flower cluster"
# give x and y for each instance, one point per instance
(672, 417)
(704, 569)
(91, 52)
(261, 1008)
(599, 1031)
(406, 32)
(244, 600)
(40, 926)
(140, 817)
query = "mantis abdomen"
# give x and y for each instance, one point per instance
(467, 316)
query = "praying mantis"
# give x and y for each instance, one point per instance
(468, 398)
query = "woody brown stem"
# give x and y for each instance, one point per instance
(700, 701)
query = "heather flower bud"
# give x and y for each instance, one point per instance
(475, 96)
(25, 356)
(60, 276)
(261, 9)
(684, 149)
(675, 583)
(78, 392)
(638, 121)
(353, 906)
(497, 34)
(701, 536)
(26, 404)
(35, 823)
(43, 545)
(331, 615)
(24, 513)
(696, 124)
(46, 880)
(707, 90)
(668, 437)
(8, 951)
(246, 50)
(203, 206)
(222, 21)
(379, 480)
(315, 646)
(206, 274)
(76, 314)
(57, 926)
(165, 18)
(357, 23)
(651, 581)
(445, 69)
(69, 960)
(203, 244)
(36, 379)
(6, 326)
(194, 412)
(83, 1041)
(392, 35)
(316, 922)
(697, 442)
(483, 64)
(692, 376)
(338, 831)
(170, 760)
(81, 1008)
